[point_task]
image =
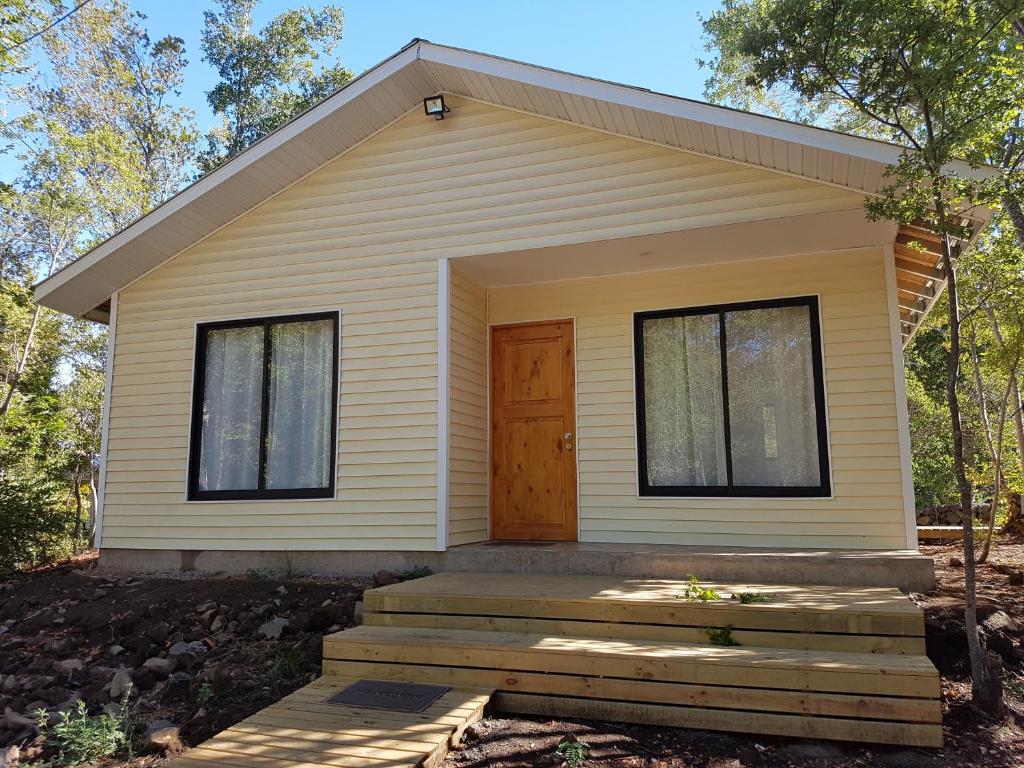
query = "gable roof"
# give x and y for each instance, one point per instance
(392, 88)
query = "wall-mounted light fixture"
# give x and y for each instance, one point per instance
(434, 105)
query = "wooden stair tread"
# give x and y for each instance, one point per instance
(664, 592)
(873, 611)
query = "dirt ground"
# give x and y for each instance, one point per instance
(74, 613)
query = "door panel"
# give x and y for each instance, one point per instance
(533, 431)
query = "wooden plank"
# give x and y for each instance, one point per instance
(661, 632)
(944, 532)
(304, 731)
(656, 692)
(865, 731)
(886, 674)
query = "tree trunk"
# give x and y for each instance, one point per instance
(22, 363)
(985, 694)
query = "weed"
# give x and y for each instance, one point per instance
(81, 738)
(720, 635)
(417, 572)
(287, 664)
(695, 591)
(206, 695)
(261, 574)
(574, 753)
(756, 597)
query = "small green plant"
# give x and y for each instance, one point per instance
(81, 738)
(720, 635)
(206, 695)
(695, 591)
(756, 597)
(417, 572)
(574, 753)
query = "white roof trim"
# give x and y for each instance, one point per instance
(82, 299)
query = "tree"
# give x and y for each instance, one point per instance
(19, 20)
(943, 78)
(100, 142)
(266, 76)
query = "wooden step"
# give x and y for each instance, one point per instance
(303, 730)
(886, 698)
(846, 619)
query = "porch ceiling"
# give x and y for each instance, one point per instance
(791, 236)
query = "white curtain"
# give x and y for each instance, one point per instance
(230, 443)
(773, 427)
(299, 415)
(683, 410)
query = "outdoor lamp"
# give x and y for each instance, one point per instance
(434, 105)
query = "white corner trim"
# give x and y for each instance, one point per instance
(105, 423)
(900, 387)
(443, 374)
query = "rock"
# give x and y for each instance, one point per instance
(15, 720)
(143, 679)
(357, 613)
(272, 629)
(187, 654)
(162, 736)
(158, 632)
(10, 757)
(999, 629)
(218, 623)
(282, 590)
(956, 562)
(68, 666)
(98, 593)
(11, 684)
(321, 618)
(384, 578)
(1016, 579)
(209, 614)
(218, 675)
(120, 685)
(204, 607)
(160, 668)
(115, 650)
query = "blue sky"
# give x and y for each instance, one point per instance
(650, 44)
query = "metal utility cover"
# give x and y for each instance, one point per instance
(384, 694)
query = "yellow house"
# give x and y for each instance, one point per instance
(467, 300)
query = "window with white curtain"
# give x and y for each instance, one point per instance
(730, 401)
(264, 408)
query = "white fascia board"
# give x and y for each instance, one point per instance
(233, 166)
(676, 106)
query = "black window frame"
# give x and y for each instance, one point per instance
(729, 490)
(199, 391)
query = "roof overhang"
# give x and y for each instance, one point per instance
(391, 89)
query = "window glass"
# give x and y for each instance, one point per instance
(299, 413)
(774, 426)
(230, 454)
(683, 401)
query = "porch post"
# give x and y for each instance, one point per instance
(900, 387)
(443, 373)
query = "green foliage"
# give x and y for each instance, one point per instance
(756, 597)
(720, 635)
(694, 591)
(574, 753)
(81, 738)
(206, 694)
(266, 76)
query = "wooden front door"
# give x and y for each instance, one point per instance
(533, 432)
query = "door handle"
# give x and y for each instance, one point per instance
(567, 437)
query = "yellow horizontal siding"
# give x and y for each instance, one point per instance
(467, 451)
(866, 510)
(363, 234)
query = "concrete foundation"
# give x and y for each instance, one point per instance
(907, 569)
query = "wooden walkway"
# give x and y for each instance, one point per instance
(818, 662)
(304, 731)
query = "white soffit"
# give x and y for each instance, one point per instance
(386, 92)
